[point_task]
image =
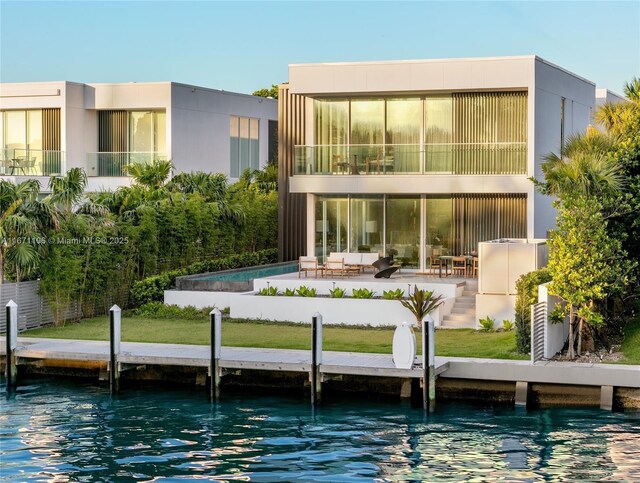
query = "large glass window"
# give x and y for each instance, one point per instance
(367, 224)
(331, 230)
(244, 139)
(403, 124)
(402, 235)
(465, 133)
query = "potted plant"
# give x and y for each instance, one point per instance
(421, 303)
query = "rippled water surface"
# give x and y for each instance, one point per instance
(68, 431)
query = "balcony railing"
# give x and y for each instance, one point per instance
(31, 162)
(440, 158)
(115, 164)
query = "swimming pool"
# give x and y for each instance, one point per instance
(236, 280)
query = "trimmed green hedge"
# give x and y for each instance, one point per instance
(151, 289)
(527, 295)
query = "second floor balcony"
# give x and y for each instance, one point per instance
(116, 163)
(31, 162)
(436, 158)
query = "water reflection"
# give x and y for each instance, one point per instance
(70, 432)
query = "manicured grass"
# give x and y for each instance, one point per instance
(249, 333)
(631, 345)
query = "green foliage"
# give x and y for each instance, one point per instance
(421, 303)
(269, 291)
(527, 295)
(337, 293)
(487, 324)
(397, 294)
(586, 264)
(152, 288)
(267, 92)
(289, 292)
(304, 291)
(362, 293)
(508, 325)
(158, 310)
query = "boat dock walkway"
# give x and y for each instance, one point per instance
(64, 352)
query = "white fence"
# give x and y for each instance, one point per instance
(33, 310)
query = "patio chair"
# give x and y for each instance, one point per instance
(387, 272)
(459, 265)
(308, 264)
(334, 265)
(474, 267)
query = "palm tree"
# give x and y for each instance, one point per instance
(152, 176)
(615, 116)
(583, 167)
(421, 303)
(23, 221)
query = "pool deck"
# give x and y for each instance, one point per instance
(333, 363)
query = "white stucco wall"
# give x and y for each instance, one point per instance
(200, 126)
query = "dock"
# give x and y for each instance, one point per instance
(604, 382)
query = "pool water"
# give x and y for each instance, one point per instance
(245, 275)
(58, 430)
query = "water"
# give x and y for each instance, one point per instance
(244, 275)
(68, 431)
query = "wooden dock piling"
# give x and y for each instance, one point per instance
(215, 343)
(316, 358)
(11, 344)
(115, 330)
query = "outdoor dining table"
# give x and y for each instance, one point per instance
(448, 260)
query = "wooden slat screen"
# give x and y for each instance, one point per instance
(490, 129)
(292, 214)
(483, 217)
(51, 142)
(113, 137)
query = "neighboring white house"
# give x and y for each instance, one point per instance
(47, 128)
(421, 158)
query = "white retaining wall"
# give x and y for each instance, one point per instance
(348, 311)
(555, 334)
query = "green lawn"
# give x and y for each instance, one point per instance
(631, 345)
(244, 333)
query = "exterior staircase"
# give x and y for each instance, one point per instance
(463, 313)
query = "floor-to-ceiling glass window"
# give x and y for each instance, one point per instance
(332, 225)
(367, 224)
(147, 136)
(438, 223)
(367, 133)
(332, 131)
(438, 134)
(402, 150)
(403, 229)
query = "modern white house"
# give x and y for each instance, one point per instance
(421, 158)
(47, 128)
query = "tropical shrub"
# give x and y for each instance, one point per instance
(487, 324)
(337, 293)
(421, 303)
(397, 294)
(527, 295)
(269, 291)
(507, 325)
(289, 292)
(158, 310)
(304, 291)
(362, 293)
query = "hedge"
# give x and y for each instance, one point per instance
(527, 295)
(151, 289)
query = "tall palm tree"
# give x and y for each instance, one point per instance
(614, 116)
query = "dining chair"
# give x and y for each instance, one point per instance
(459, 265)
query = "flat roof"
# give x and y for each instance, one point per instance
(449, 59)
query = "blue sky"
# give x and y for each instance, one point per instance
(242, 46)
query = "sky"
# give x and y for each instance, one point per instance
(244, 46)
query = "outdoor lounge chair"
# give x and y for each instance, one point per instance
(334, 265)
(309, 264)
(387, 272)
